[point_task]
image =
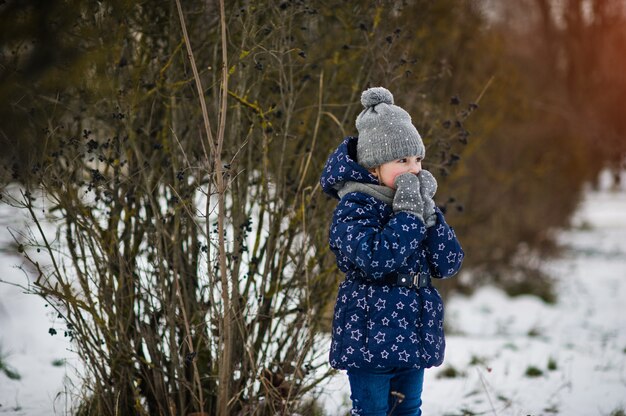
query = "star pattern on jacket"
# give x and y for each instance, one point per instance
(378, 325)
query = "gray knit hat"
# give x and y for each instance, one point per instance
(385, 130)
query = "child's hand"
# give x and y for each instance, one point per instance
(408, 196)
(428, 187)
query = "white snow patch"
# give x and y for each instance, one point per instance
(25, 344)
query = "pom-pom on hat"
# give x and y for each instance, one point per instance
(385, 130)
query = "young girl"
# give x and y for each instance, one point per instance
(390, 240)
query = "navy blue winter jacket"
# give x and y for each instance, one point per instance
(379, 325)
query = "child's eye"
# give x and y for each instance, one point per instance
(403, 160)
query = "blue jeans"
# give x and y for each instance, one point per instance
(374, 392)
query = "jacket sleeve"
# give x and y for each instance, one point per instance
(358, 235)
(443, 250)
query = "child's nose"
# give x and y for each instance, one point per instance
(415, 169)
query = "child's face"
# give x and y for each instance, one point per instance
(387, 172)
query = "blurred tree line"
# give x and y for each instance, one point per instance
(552, 122)
(190, 260)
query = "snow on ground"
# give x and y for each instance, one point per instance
(43, 361)
(576, 349)
(573, 351)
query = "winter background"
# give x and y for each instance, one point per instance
(547, 79)
(505, 356)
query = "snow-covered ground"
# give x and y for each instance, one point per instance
(44, 362)
(573, 351)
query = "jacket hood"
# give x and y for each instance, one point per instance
(342, 167)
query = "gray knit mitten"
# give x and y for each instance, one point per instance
(428, 187)
(408, 197)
